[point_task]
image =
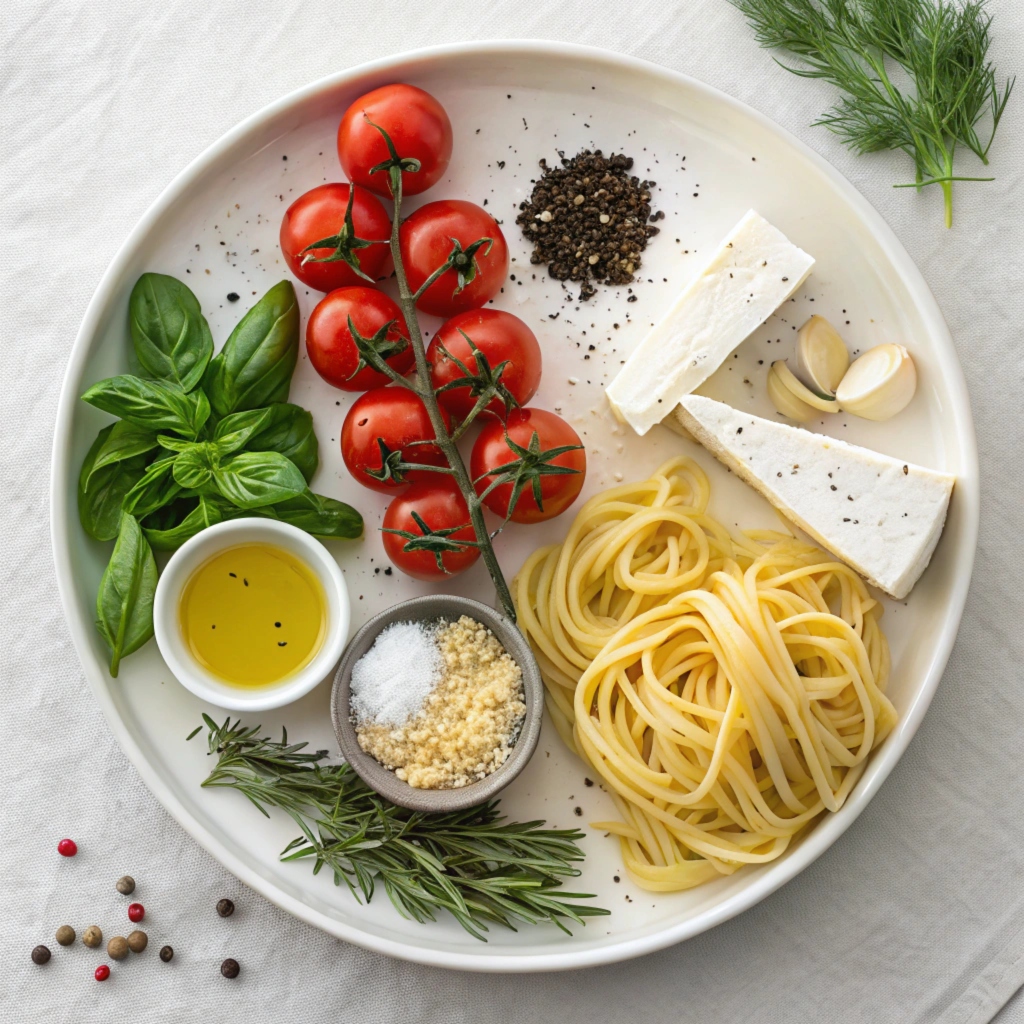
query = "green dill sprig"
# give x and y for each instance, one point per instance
(475, 865)
(864, 47)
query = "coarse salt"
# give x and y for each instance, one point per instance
(393, 679)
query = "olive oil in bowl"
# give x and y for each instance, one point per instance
(253, 615)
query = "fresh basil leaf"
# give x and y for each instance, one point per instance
(124, 604)
(318, 515)
(194, 467)
(258, 478)
(102, 491)
(289, 430)
(210, 509)
(151, 404)
(255, 366)
(155, 488)
(234, 430)
(171, 336)
(174, 444)
(125, 441)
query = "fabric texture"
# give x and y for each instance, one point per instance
(915, 915)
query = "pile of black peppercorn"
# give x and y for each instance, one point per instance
(588, 219)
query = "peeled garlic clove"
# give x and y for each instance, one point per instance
(781, 379)
(786, 402)
(879, 384)
(821, 357)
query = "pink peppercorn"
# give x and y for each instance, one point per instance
(136, 912)
(67, 848)
(101, 973)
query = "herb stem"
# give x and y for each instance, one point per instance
(473, 864)
(424, 388)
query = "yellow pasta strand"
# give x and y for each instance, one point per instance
(728, 689)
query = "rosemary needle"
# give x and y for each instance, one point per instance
(867, 47)
(473, 864)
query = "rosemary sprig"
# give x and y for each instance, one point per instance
(473, 864)
(864, 46)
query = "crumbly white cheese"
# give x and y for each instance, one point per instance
(880, 515)
(751, 274)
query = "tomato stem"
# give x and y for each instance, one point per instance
(424, 388)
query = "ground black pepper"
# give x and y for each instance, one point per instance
(588, 219)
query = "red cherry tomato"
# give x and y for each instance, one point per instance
(441, 506)
(330, 346)
(418, 126)
(426, 240)
(558, 491)
(400, 418)
(499, 336)
(320, 213)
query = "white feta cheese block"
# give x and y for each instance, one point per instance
(881, 516)
(751, 274)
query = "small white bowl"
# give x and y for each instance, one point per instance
(192, 554)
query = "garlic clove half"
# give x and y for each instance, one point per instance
(791, 398)
(821, 357)
(879, 384)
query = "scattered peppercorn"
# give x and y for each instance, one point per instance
(588, 219)
(137, 941)
(92, 936)
(67, 847)
(40, 955)
(166, 954)
(101, 973)
(230, 968)
(225, 907)
(65, 935)
(117, 947)
(136, 912)
(233, 296)
(125, 885)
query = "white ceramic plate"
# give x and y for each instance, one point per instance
(216, 227)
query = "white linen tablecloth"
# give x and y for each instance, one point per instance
(915, 915)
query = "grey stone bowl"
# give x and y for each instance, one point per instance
(386, 783)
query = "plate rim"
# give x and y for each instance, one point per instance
(825, 834)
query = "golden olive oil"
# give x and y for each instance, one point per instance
(253, 615)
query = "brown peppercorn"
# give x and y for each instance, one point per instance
(92, 936)
(225, 907)
(166, 954)
(137, 941)
(125, 885)
(41, 955)
(117, 947)
(65, 935)
(230, 968)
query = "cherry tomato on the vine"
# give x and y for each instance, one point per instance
(440, 506)
(427, 239)
(418, 126)
(399, 418)
(557, 490)
(330, 345)
(318, 215)
(500, 337)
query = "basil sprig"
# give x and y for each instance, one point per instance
(201, 439)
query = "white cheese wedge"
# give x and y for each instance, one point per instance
(882, 516)
(751, 274)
